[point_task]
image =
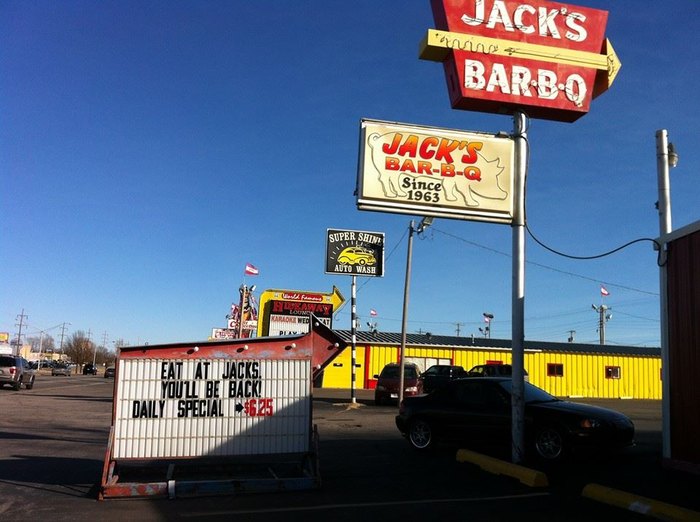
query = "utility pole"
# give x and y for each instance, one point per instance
(104, 345)
(21, 318)
(425, 223)
(572, 333)
(458, 328)
(63, 332)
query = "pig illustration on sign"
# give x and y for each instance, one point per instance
(429, 169)
(472, 186)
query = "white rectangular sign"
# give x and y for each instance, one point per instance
(224, 333)
(293, 324)
(211, 407)
(411, 169)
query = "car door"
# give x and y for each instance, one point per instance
(480, 412)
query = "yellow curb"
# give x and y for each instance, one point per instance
(643, 505)
(527, 476)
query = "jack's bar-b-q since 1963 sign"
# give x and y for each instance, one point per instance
(427, 171)
(352, 252)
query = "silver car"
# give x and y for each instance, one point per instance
(61, 369)
(15, 371)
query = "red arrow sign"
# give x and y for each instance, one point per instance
(541, 57)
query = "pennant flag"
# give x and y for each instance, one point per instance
(604, 291)
(373, 312)
(251, 270)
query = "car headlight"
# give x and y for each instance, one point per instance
(590, 424)
(412, 389)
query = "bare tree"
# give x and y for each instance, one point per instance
(47, 344)
(79, 348)
(104, 356)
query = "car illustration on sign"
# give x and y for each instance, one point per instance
(355, 252)
(357, 256)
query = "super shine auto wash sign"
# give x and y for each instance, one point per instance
(546, 58)
(428, 171)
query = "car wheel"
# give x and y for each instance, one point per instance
(549, 444)
(17, 385)
(30, 384)
(420, 434)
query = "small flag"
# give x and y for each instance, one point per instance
(251, 270)
(604, 291)
(373, 312)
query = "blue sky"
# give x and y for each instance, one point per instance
(149, 150)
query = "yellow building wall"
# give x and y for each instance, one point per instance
(338, 374)
(584, 374)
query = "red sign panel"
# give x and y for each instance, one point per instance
(532, 56)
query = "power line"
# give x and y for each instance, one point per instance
(547, 267)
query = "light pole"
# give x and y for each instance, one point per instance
(603, 318)
(425, 223)
(666, 158)
(488, 318)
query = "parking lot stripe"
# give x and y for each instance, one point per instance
(292, 509)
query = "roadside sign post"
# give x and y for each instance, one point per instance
(518, 287)
(538, 59)
(508, 57)
(353, 252)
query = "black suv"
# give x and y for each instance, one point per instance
(90, 369)
(439, 375)
(15, 371)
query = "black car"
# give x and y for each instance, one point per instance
(477, 412)
(439, 375)
(90, 369)
(109, 372)
(494, 370)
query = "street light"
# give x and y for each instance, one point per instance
(666, 158)
(487, 329)
(603, 318)
(425, 223)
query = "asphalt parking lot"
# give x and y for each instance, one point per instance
(54, 438)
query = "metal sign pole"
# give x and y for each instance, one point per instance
(518, 290)
(665, 227)
(404, 319)
(353, 330)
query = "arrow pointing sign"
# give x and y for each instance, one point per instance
(545, 58)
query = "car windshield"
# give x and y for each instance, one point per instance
(392, 372)
(531, 393)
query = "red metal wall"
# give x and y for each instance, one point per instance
(684, 348)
